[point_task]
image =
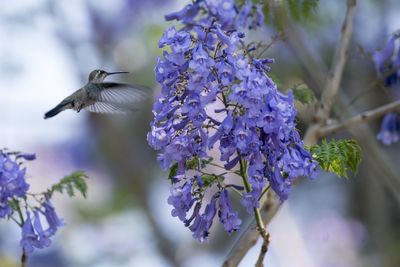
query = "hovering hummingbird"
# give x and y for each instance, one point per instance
(101, 97)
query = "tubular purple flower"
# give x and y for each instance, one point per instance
(227, 216)
(29, 237)
(52, 218)
(390, 129)
(382, 56)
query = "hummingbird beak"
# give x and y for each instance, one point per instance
(117, 72)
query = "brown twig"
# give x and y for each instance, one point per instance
(360, 118)
(332, 85)
(24, 258)
(263, 251)
(250, 235)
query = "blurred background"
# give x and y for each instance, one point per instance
(48, 48)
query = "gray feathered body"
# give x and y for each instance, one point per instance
(102, 97)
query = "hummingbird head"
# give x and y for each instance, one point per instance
(97, 76)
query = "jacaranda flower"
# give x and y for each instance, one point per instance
(219, 107)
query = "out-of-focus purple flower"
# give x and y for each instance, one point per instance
(26, 156)
(390, 128)
(387, 67)
(186, 15)
(12, 182)
(382, 56)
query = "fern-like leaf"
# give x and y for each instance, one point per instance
(76, 181)
(338, 157)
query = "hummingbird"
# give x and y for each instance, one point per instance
(102, 97)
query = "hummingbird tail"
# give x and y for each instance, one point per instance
(60, 107)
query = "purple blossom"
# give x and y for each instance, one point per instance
(14, 189)
(181, 199)
(216, 95)
(227, 216)
(33, 236)
(390, 129)
(53, 221)
(202, 223)
(12, 182)
(386, 66)
(382, 56)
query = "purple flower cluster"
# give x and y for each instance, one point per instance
(387, 65)
(13, 189)
(33, 233)
(217, 94)
(226, 12)
(12, 181)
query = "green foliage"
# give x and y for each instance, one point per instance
(303, 94)
(337, 157)
(209, 179)
(309, 7)
(14, 204)
(301, 9)
(298, 10)
(190, 164)
(172, 171)
(70, 183)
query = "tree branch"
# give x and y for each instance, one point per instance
(250, 235)
(360, 118)
(332, 85)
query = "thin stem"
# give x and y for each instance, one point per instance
(244, 175)
(16, 221)
(21, 217)
(260, 224)
(274, 39)
(215, 165)
(263, 193)
(24, 258)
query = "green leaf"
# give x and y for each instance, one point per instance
(309, 7)
(172, 171)
(303, 94)
(76, 181)
(192, 164)
(301, 10)
(338, 157)
(294, 8)
(14, 204)
(209, 179)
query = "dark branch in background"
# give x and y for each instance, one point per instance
(269, 207)
(332, 85)
(250, 234)
(360, 118)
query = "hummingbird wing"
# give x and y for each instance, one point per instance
(122, 93)
(103, 107)
(117, 98)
